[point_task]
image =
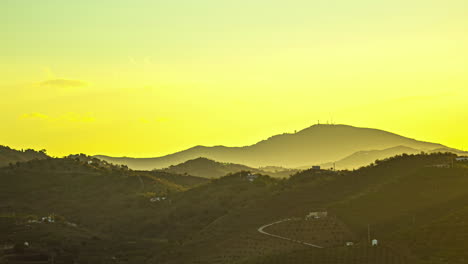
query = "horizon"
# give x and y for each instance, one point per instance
(266, 138)
(147, 78)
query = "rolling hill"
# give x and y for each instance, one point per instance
(317, 144)
(364, 158)
(8, 155)
(414, 204)
(408, 201)
(100, 210)
(203, 167)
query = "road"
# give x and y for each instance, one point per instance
(261, 230)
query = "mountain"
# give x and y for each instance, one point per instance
(317, 144)
(207, 168)
(364, 158)
(8, 155)
(203, 167)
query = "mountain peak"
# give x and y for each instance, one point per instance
(317, 144)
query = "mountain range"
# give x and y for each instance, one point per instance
(206, 168)
(350, 147)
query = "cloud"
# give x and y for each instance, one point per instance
(67, 117)
(34, 116)
(63, 83)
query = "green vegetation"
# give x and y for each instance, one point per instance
(415, 206)
(10, 156)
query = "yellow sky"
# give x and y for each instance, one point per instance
(147, 78)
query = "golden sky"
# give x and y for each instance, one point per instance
(147, 77)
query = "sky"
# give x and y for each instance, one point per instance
(146, 78)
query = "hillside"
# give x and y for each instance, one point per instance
(364, 158)
(314, 145)
(414, 204)
(207, 168)
(406, 200)
(203, 167)
(8, 155)
(98, 208)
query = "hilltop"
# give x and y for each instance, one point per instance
(317, 144)
(363, 158)
(8, 155)
(207, 168)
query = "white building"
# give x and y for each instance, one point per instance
(251, 177)
(316, 215)
(349, 244)
(375, 242)
(463, 158)
(157, 199)
(48, 219)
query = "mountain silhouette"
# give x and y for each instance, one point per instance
(317, 144)
(363, 158)
(203, 167)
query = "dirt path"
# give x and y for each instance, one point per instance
(261, 230)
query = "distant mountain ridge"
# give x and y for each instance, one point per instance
(317, 144)
(363, 158)
(207, 168)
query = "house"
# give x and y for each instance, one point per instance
(48, 219)
(349, 244)
(316, 167)
(157, 199)
(251, 177)
(439, 166)
(316, 215)
(462, 158)
(375, 242)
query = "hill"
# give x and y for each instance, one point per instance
(203, 167)
(408, 201)
(8, 155)
(314, 145)
(207, 168)
(99, 210)
(415, 205)
(364, 158)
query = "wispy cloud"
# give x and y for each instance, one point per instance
(63, 83)
(67, 117)
(34, 115)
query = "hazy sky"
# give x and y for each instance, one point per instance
(148, 77)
